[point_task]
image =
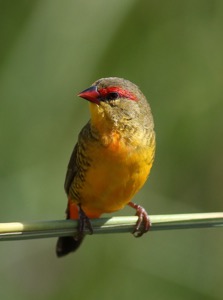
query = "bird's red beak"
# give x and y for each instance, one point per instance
(91, 94)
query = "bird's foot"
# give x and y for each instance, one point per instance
(84, 223)
(143, 224)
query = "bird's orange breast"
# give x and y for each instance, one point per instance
(117, 171)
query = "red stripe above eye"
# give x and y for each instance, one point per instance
(114, 89)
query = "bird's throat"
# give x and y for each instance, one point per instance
(100, 120)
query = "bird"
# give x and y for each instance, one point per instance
(112, 158)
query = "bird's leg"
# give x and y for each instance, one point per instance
(143, 219)
(84, 222)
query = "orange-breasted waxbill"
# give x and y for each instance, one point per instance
(112, 158)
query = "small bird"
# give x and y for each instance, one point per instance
(112, 158)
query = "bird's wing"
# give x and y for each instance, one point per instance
(71, 170)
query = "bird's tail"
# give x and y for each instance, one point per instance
(67, 244)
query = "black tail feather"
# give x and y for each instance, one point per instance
(67, 244)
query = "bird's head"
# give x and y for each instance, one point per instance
(117, 102)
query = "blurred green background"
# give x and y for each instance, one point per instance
(51, 50)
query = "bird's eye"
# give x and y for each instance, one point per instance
(112, 96)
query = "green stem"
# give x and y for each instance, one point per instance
(46, 229)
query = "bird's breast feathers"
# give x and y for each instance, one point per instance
(118, 169)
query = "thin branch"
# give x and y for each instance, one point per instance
(46, 229)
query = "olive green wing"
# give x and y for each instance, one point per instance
(71, 170)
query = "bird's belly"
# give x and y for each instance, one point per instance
(113, 178)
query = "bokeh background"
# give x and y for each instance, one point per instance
(51, 50)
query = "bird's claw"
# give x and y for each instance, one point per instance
(143, 224)
(84, 223)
